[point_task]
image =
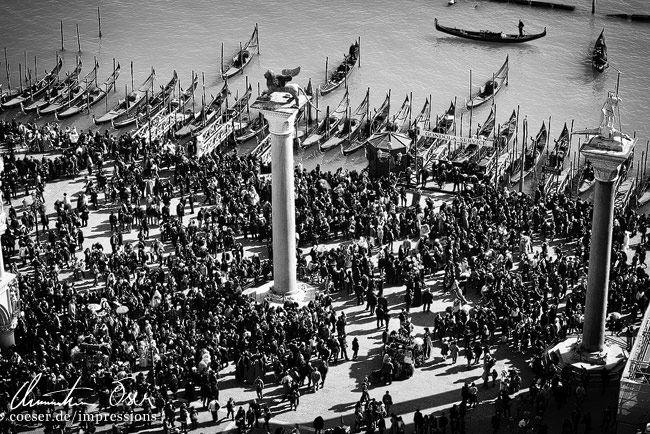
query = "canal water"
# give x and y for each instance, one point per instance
(400, 50)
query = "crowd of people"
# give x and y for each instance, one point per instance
(167, 313)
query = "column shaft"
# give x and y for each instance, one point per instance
(284, 222)
(593, 334)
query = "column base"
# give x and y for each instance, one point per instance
(570, 353)
(7, 339)
(304, 293)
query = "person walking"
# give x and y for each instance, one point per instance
(388, 401)
(355, 348)
(259, 387)
(454, 350)
(230, 407)
(213, 407)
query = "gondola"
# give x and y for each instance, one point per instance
(250, 128)
(491, 87)
(439, 148)
(162, 118)
(71, 97)
(36, 90)
(243, 57)
(533, 156)
(343, 71)
(489, 36)
(93, 95)
(70, 82)
(350, 127)
(8, 94)
(207, 113)
(599, 56)
(377, 124)
(329, 124)
(473, 152)
(151, 106)
(400, 122)
(130, 103)
(491, 160)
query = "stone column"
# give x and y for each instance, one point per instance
(606, 155)
(281, 118)
(600, 252)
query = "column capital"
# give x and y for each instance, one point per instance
(607, 154)
(280, 111)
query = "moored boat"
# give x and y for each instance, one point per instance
(149, 107)
(491, 87)
(489, 36)
(243, 57)
(534, 154)
(251, 128)
(329, 124)
(71, 97)
(438, 149)
(376, 124)
(350, 127)
(92, 96)
(473, 152)
(206, 114)
(557, 174)
(37, 89)
(55, 90)
(599, 55)
(400, 123)
(343, 71)
(130, 103)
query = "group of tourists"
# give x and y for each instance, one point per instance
(167, 313)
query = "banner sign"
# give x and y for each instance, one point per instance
(464, 140)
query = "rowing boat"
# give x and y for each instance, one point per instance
(377, 124)
(329, 124)
(92, 96)
(54, 91)
(39, 88)
(350, 127)
(131, 103)
(151, 106)
(343, 71)
(243, 57)
(71, 97)
(491, 87)
(599, 56)
(487, 35)
(534, 154)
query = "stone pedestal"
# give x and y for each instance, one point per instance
(9, 309)
(281, 114)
